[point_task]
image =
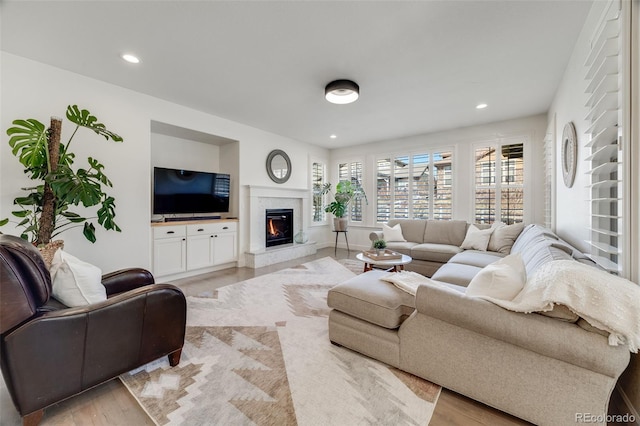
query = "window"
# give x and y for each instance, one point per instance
(417, 186)
(353, 172)
(499, 183)
(318, 173)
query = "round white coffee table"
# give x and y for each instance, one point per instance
(394, 265)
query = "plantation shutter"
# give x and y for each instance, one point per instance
(549, 177)
(604, 81)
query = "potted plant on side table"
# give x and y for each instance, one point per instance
(346, 191)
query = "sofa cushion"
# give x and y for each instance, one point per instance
(504, 236)
(532, 234)
(456, 273)
(538, 254)
(450, 232)
(367, 297)
(476, 258)
(503, 279)
(404, 248)
(539, 245)
(434, 252)
(476, 239)
(392, 233)
(412, 229)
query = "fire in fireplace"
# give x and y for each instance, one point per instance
(278, 227)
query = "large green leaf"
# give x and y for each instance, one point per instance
(84, 118)
(89, 232)
(28, 140)
(76, 188)
(4, 221)
(97, 171)
(33, 199)
(73, 217)
(107, 213)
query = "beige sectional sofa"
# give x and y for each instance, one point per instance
(546, 369)
(431, 243)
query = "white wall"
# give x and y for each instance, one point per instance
(177, 153)
(462, 141)
(33, 90)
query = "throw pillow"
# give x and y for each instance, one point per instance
(503, 279)
(76, 283)
(476, 239)
(504, 236)
(392, 233)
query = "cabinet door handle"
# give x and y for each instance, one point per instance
(226, 227)
(201, 229)
(184, 239)
(171, 232)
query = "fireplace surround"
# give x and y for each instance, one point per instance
(261, 198)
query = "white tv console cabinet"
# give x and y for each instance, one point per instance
(182, 249)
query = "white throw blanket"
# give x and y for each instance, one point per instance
(606, 301)
(408, 281)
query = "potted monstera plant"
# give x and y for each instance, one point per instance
(59, 184)
(346, 191)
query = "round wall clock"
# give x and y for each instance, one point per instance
(569, 154)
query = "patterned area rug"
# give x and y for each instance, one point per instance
(258, 353)
(355, 266)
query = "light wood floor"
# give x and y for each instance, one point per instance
(111, 404)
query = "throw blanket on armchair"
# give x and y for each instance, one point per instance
(606, 301)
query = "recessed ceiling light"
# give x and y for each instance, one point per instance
(333, 136)
(131, 58)
(481, 106)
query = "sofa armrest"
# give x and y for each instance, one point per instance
(376, 235)
(126, 279)
(546, 336)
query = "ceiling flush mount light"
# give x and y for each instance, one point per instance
(333, 136)
(342, 92)
(481, 106)
(131, 58)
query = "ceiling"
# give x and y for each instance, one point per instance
(422, 66)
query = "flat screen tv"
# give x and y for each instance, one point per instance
(187, 191)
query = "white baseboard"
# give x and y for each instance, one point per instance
(628, 405)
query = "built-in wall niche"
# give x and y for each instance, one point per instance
(176, 147)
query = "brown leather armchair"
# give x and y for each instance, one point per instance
(50, 352)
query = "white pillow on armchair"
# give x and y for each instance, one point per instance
(76, 283)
